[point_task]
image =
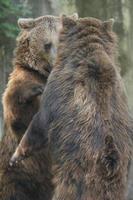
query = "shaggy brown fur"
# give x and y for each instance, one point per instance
(21, 100)
(84, 118)
(32, 65)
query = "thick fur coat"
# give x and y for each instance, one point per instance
(83, 120)
(21, 100)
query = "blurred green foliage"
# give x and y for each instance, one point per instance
(10, 11)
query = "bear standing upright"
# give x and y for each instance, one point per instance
(33, 61)
(83, 119)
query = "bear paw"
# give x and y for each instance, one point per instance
(30, 93)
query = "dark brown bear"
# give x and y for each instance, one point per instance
(84, 119)
(31, 180)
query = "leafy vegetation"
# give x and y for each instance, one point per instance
(10, 11)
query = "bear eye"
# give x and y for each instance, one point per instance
(47, 46)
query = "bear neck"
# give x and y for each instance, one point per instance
(24, 59)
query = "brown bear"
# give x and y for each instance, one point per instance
(83, 120)
(32, 64)
(34, 54)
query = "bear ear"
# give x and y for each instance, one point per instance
(26, 23)
(68, 22)
(108, 25)
(74, 16)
